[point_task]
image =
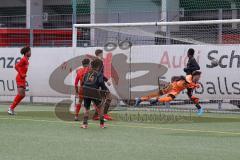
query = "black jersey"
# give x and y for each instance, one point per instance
(192, 66)
(94, 80)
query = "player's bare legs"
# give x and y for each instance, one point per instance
(77, 109)
(107, 105)
(153, 95)
(195, 100)
(96, 114)
(17, 100)
(85, 118)
(101, 113)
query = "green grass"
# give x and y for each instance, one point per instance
(36, 134)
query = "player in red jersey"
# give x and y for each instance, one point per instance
(22, 68)
(79, 90)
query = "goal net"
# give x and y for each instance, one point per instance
(140, 58)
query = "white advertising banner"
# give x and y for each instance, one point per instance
(137, 68)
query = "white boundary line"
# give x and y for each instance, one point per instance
(131, 126)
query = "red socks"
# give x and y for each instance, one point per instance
(16, 101)
(78, 107)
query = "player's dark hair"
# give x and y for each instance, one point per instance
(24, 50)
(191, 52)
(85, 62)
(196, 73)
(96, 63)
(98, 51)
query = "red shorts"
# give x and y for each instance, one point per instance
(80, 93)
(21, 82)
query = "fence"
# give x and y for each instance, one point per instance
(55, 30)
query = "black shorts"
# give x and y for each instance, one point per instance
(87, 102)
(93, 93)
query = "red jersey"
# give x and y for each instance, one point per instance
(80, 75)
(22, 68)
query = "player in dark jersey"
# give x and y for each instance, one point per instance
(192, 64)
(99, 55)
(22, 68)
(94, 91)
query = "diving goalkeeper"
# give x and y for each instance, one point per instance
(178, 84)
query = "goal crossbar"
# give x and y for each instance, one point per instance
(142, 24)
(139, 24)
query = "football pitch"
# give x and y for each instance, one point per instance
(36, 134)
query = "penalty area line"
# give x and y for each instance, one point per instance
(129, 126)
(177, 129)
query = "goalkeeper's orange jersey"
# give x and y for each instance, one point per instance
(174, 88)
(177, 86)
